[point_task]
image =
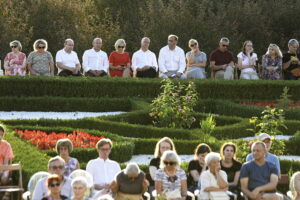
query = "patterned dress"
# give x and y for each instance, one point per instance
(268, 61)
(71, 165)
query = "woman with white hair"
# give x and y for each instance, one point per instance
(272, 63)
(80, 188)
(295, 186)
(213, 179)
(170, 180)
(119, 60)
(40, 61)
(291, 61)
(15, 61)
(130, 183)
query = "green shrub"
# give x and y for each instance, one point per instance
(208, 125)
(292, 145)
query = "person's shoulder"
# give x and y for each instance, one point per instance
(164, 48)
(240, 55)
(92, 162)
(179, 49)
(114, 163)
(223, 173)
(60, 51)
(203, 53)
(73, 53)
(254, 55)
(214, 52)
(237, 163)
(248, 164)
(270, 164)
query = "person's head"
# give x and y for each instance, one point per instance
(274, 50)
(293, 45)
(193, 44)
(259, 150)
(266, 138)
(201, 151)
(97, 44)
(64, 147)
(54, 184)
(79, 187)
(163, 145)
(56, 165)
(169, 160)
(120, 45)
(145, 42)
(105, 197)
(295, 185)
(15, 46)
(228, 151)
(2, 132)
(132, 170)
(69, 45)
(223, 44)
(40, 45)
(212, 160)
(104, 147)
(247, 47)
(172, 41)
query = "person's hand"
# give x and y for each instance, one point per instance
(11, 62)
(145, 183)
(145, 68)
(217, 169)
(256, 192)
(224, 67)
(294, 59)
(178, 74)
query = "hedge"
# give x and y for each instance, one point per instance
(64, 104)
(134, 87)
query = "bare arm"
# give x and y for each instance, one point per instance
(236, 179)
(215, 67)
(6, 65)
(221, 182)
(24, 63)
(63, 67)
(152, 171)
(158, 187)
(241, 66)
(244, 188)
(195, 174)
(51, 68)
(183, 189)
(114, 187)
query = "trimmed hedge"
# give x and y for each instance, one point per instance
(134, 87)
(63, 104)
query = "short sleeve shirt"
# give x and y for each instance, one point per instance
(193, 165)
(170, 182)
(40, 62)
(117, 59)
(128, 186)
(246, 60)
(221, 58)
(5, 151)
(236, 166)
(155, 162)
(287, 57)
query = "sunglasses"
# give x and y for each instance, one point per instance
(169, 163)
(224, 45)
(192, 45)
(121, 47)
(43, 47)
(13, 47)
(57, 167)
(54, 185)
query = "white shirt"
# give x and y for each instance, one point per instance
(103, 172)
(246, 61)
(144, 58)
(94, 60)
(67, 59)
(207, 179)
(41, 188)
(171, 60)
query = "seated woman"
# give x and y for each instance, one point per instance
(64, 147)
(170, 179)
(130, 183)
(272, 63)
(213, 179)
(6, 156)
(54, 186)
(197, 166)
(231, 166)
(291, 63)
(80, 188)
(295, 186)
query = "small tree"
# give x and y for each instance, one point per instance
(208, 124)
(174, 107)
(284, 101)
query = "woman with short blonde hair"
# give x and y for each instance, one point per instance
(272, 63)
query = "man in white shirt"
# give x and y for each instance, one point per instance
(171, 60)
(144, 63)
(103, 169)
(67, 60)
(95, 61)
(56, 166)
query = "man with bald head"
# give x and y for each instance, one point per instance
(67, 60)
(95, 61)
(144, 63)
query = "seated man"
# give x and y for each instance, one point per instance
(103, 169)
(67, 60)
(222, 61)
(56, 166)
(266, 138)
(144, 63)
(258, 177)
(95, 61)
(171, 60)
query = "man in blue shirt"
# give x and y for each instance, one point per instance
(259, 177)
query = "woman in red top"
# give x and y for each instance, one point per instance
(15, 61)
(119, 60)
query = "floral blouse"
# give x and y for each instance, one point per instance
(268, 61)
(17, 63)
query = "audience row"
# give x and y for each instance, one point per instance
(172, 61)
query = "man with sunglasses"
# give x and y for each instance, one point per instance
(222, 61)
(171, 60)
(56, 166)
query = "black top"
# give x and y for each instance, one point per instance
(155, 162)
(287, 57)
(193, 165)
(49, 198)
(236, 166)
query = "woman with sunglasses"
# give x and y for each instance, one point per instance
(40, 61)
(196, 61)
(170, 180)
(119, 60)
(15, 61)
(54, 187)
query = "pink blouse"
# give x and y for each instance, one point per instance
(17, 62)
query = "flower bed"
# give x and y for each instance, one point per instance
(46, 141)
(271, 104)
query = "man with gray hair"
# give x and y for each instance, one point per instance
(67, 60)
(144, 63)
(56, 166)
(95, 61)
(171, 60)
(222, 61)
(291, 61)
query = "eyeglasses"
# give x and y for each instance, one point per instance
(57, 167)
(43, 47)
(192, 45)
(13, 47)
(169, 163)
(54, 185)
(104, 149)
(121, 47)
